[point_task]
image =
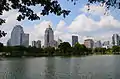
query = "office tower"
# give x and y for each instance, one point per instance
(33, 43)
(106, 44)
(89, 43)
(25, 40)
(18, 37)
(36, 44)
(49, 37)
(74, 40)
(98, 44)
(115, 40)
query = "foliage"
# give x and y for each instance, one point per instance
(64, 47)
(79, 49)
(107, 3)
(49, 50)
(116, 49)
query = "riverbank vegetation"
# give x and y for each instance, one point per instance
(64, 49)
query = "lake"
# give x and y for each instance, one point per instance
(89, 67)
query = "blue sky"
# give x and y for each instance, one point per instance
(79, 22)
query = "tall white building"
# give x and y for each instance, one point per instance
(49, 37)
(18, 37)
(115, 40)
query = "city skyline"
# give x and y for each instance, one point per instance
(49, 39)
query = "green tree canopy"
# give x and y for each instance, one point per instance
(79, 49)
(64, 47)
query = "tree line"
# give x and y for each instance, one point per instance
(64, 49)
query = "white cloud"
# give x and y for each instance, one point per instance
(10, 23)
(109, 22)
(82, 23)
(61, 26)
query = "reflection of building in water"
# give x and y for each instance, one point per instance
(63, 68)
(50, 69)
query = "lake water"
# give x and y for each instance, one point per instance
(90, 67)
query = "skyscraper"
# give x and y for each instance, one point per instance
(89, 43)
(74, 40)
(18, 37)
(115, 40)
(36, 44)
(49, 37)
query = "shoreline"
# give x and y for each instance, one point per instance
(59, 56)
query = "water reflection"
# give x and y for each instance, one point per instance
(63, 68)
(116, 65)
(93, 67)
(15, 70)
(50, 68)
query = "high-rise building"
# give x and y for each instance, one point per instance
(33, 43)
(98, 44)
(36, 44)
(18, 37)
(115, 40)
(89, 43)
(74, 40)
(25, 40)
(49, 37)
(106, 44)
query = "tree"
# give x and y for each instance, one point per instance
(79, 49)
(107, 3)
(49, 51)
(1, 45)
(64, 47)
(115, 49)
